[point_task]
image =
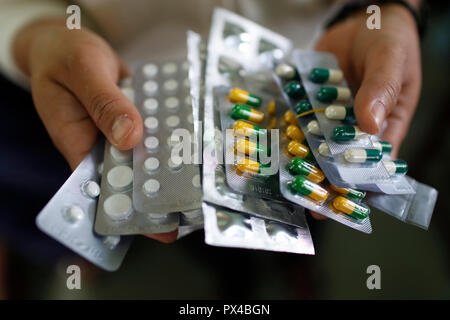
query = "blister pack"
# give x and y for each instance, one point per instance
(227, 228)
(69, 216)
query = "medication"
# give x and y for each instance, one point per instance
(237, 95)
(309, 189)
(324, 150)
(251, 148)
(240, 111)
(359, 155)
(295, 133)
(346, 133)
(242, 128)
(338, 112)
(353, 209)
(91, 189)
(302, 106)
(151, 124)
(289, 118)
(349, 192)
(303, 167)
(151, 187)
(294, 89)
(150, 106)
(329, 94)
(251, 166)
(322, 75)
(151, 143)
(151, 164)
(118, 207)
(313, 128)
(286, 72)
(271, 109)
(299, 150)
(150, 70)
(383, 146)
(396, 167)
(121, 156)
(120, 178)
(150, 87)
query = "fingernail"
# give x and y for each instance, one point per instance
(378, 113)
(121, 128)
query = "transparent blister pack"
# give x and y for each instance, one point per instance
(227, 228)
(69, 216)
(166, 179)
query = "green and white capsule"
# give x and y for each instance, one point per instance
(322, 75)
(287, 72)
(294, 89)
(396, 167)
(338, 112)
(240, 111)
(346, 133)
(329, 94)
(302, 106)
(324, 150)
(313, 128)
(383, 146)
(359, 155)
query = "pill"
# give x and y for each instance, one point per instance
(346, 133)
(307, 169)
(150, 106)
(302, 107)
(120, 178)
(150, 70)
(172, 103)
(294, 89)
(172, 121)
(74, 214)
(250, 166)
(151, 187)
(353, 209)
(308, 188)
(170, 85)
(91, 189)
(151, 124)
(251, 148)
(240, 111)
(329, 94)
(295, 133)
(118, 207)
(322, 75)
(150, 87)
(175, 163)
(286, 72)
(349, 192)
(298, 149)
(271, 109)
(237, 95)
(121, 156)
(111, 242)
(169, 68)
(324, 150)
(151, 143)
(151, 164)
(242, 128)
(196, 181)
(313, 128)
(359, 155)
(337, 112)
(290, 118)
(383, 146)
(396, 167)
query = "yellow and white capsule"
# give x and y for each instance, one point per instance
(295, 133)
(242, 128)
(237, 95)
(313, 128)
(252, 167)
(298, 149)
(251, 148)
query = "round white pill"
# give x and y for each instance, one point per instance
(188, 101)
(196, 181)
(151, 164)
(74, 214)
(172, 103)
(91, 189)
(170, 85)
(120, 178)
(151, 187)
(190, 118)
(151, 124)
(118, 207)
(111, 242)
(175, 163)
(121, 156)
(150, 106)
(150, 70)
(150, 87)
(169, 68)
(172, 121)
(151, 143)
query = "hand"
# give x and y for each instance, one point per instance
(74, 76)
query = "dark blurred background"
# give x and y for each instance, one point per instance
(414, 263)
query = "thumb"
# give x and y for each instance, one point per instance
(380, 87)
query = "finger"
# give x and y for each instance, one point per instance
(67, 122)
(380, 87)
(167, 237)
(317, 216)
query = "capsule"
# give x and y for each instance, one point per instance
(329, 94)
(359, 155)
(290, 118)
(294, 89)
(322, 75)
(396, 167)
(295, 133)
(240, 111)
(308, 188)
(251, 148)
(297, 149)
(313, 128)
(271, 109)
(383, 146)
(349, 192)
(346, 133)
(324, 150)
(242, 128)
(337, 112)
(287, 72)
(353, 209)
(252, 167)
(237, 95)
(303, 167)
(302, 106)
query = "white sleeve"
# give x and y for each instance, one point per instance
(15, 14)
